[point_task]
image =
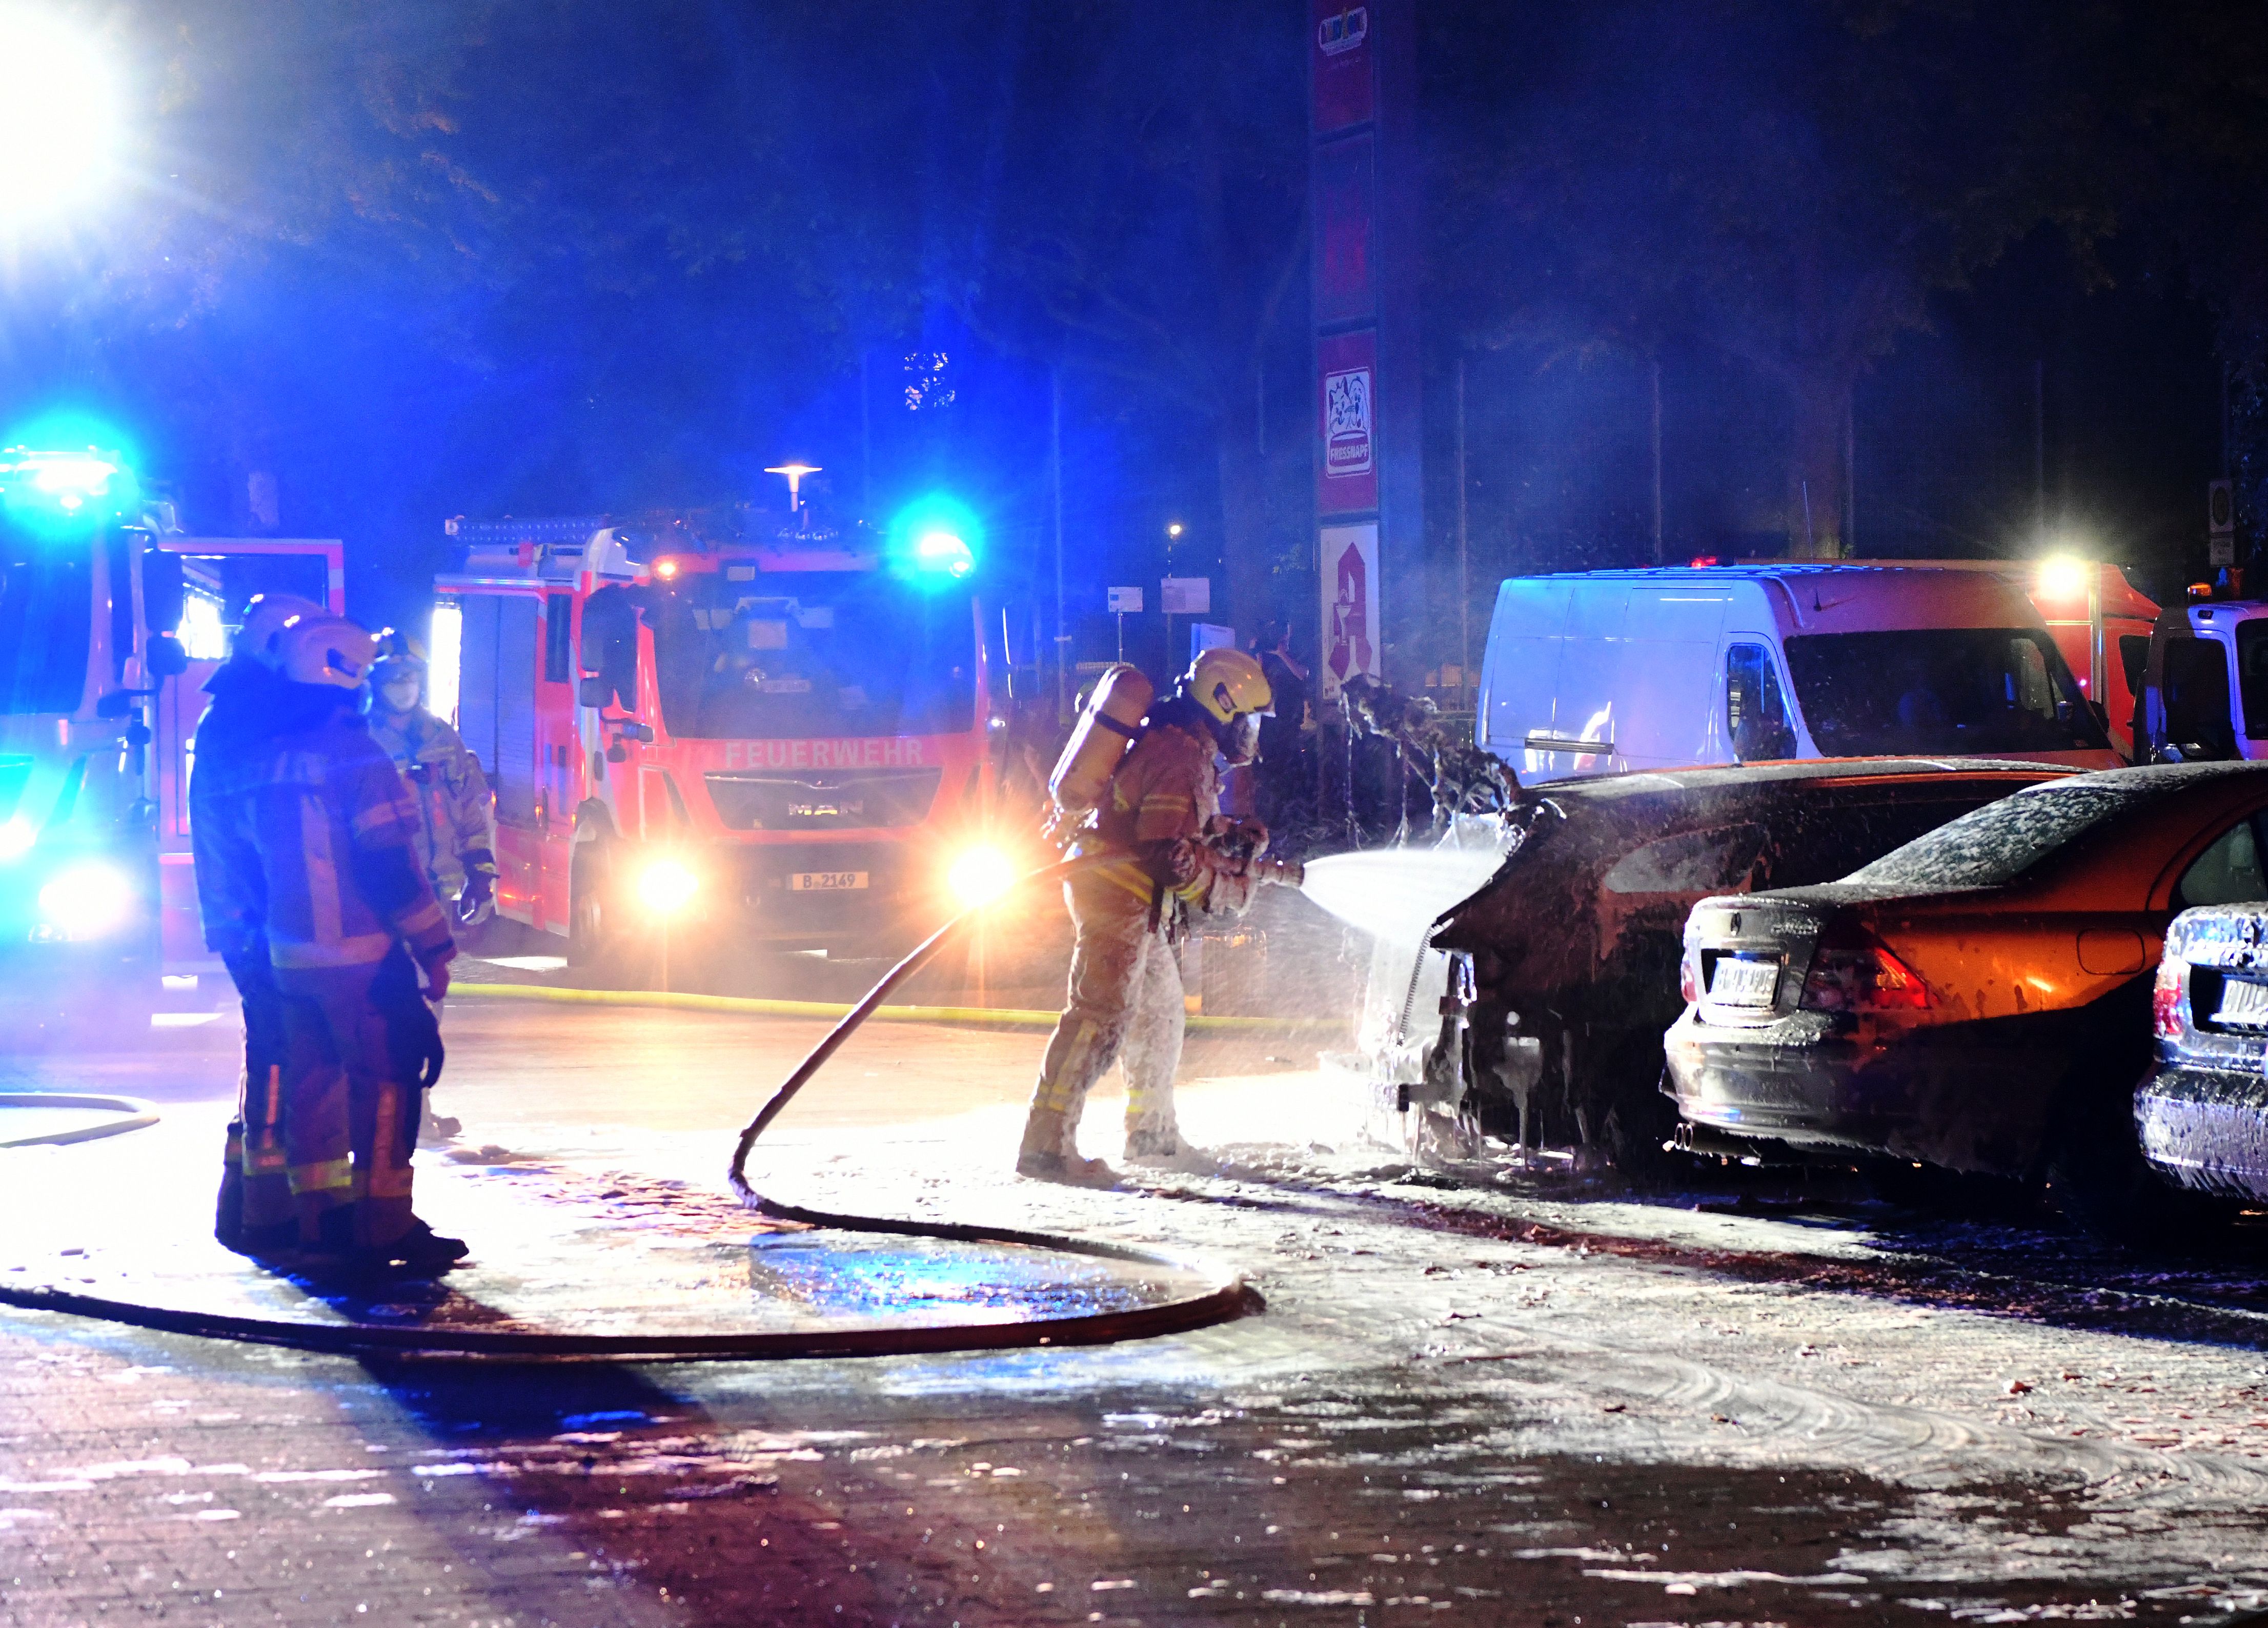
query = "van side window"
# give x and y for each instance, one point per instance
(2195, 685)
(1755, 714)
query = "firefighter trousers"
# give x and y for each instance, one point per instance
(1124, 1006)
(350, 1122)
(255, 1182)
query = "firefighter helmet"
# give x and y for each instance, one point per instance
(1227, 683)
(397, 648)
(264, 619)
(326, 650)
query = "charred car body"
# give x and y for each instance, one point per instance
(1976, 1000)
(1573, 945)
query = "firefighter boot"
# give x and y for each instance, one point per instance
(1050, 1152)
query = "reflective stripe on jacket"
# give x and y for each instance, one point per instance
(1169, 788)
(335, 831)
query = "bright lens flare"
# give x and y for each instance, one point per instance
(16, 837)
(667, 886)
(2062, 578)
(59, 116)
(943, 550)
(981, 875)
(86, 901)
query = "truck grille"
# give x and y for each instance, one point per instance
(849, 799)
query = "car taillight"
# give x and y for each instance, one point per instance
(1853, 971)
(2166, 999)
(1689, 978)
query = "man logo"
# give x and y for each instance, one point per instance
(1343, 31)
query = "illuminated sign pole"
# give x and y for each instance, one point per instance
(1369, 503)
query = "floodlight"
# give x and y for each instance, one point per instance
(59, 116)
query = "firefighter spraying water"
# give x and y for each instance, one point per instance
(1142, 794)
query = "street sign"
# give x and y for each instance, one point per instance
(1185, 596)
(2219, 508)
(1125, 602)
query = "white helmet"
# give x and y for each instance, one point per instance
(264, 618)
(326, 650)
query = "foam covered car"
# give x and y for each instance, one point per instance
(2201, 1113)
(1574, 942)
(1978, 1000)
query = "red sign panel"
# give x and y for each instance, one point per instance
(1338, 49)
(1346, 480)
(1347, 204)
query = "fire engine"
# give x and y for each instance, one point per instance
(109, 622)
(725, 727)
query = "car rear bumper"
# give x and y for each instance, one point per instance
(1945, 1095)
(2206, 1128)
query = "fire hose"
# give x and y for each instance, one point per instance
(1259, 867)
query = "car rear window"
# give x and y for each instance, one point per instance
(2001, 841)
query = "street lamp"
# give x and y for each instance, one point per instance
(59, 116)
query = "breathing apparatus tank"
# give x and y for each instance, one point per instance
(1106, 729)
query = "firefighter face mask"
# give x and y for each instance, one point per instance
(1239, 742)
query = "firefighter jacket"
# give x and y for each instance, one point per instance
(226, 761)
(456, 814)
(334, 828)
(1167, 788)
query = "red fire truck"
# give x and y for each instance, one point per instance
(724, 728)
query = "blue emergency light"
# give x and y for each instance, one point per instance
(933, 541)
(65, 489)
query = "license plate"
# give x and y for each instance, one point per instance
(826, 881)
(1739, 981)
(2242, 1003)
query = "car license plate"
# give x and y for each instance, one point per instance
(1741, 981)
(826, 881)
(2242, 1003)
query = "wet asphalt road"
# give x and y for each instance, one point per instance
(1523, 1400)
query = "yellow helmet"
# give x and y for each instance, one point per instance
(326, 650)
(1226, 682)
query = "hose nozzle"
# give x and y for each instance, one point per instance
(1284, 873)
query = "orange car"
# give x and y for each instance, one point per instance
(1978, 999)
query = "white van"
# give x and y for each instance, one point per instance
(1616, 670)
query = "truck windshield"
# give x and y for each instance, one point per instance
(47, 619)
(1932, 691)
(747, 656)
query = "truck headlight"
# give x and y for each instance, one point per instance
(87, 900)
(666, 886)
(980, 875)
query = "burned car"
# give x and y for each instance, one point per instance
(1573, 944)
(2201, 1113)
(1978, 1000)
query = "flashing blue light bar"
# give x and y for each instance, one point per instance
(53, 490)
(934, 540)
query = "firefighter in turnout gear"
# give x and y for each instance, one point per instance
(456, 813)
(255, 1214)
(1160, 817)
(348, 910)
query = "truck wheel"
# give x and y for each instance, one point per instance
(590, 902)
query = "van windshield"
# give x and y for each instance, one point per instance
(46, 623)
(1939, 691)
(770, 656)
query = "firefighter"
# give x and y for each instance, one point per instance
(456, 815)
(349, 909)
(255, 1214)
(1161, 815)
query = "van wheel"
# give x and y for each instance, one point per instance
(590, 902)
